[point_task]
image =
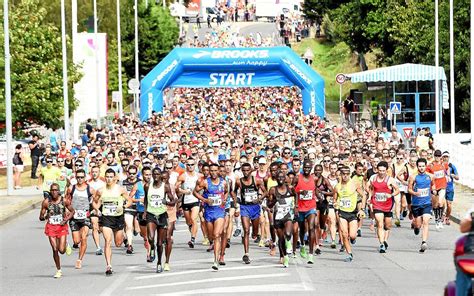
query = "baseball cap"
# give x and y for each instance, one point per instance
(222, 157)
(445, 153)
(262, 160)
(437, 153)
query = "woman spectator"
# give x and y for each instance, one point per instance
(18, 166)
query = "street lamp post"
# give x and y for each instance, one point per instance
(96, 49)
(119, 54)
(65, 88)
(136, 54)
(436, 69)
(8, 100)
(451, 65)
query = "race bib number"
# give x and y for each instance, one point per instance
(109, 208)
(56, 219)
(282, 211)
(401, 186)
(215, 200)
(345, 203)
(156, 201)
(251, 196)
(423, 191)
(80, 214)
(380, 196)
(439, 174)
(306, 195)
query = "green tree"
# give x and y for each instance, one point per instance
(158, 34)
(36, 67)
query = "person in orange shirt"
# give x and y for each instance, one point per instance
(438, 170)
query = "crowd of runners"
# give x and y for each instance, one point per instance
(239, 163)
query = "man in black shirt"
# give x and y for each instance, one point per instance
(35, 155)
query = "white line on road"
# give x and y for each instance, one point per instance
(151, 276)
(232, 278)
(198, 261)
(253, 289)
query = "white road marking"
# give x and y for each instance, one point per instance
(111, 288)
(197, 261)
(253, 289)
(232, 278)
(246, 267)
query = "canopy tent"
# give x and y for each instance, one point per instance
(403, 72)
(232, 67)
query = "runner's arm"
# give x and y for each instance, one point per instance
(411, 181)
(200, 186)
(171, 197)
(127, 197)
(133, 192)
(44, 210)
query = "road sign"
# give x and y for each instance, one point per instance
(116, 97)
(134, 84)
(341, 78)
(407, 131)
(395, 107)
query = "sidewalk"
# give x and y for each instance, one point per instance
(24, 200)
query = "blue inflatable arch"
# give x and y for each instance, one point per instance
(232, 67)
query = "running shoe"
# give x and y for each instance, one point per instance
(159, 268)
(135, 233)
(108, 271)
(385, 244)
(359, 232)
(286, 261)
(288, 246)
(303, 253)
(166, 267)
(58, 274)
(78, 264)
(75, 246)
(382, 248)
(397, 222)
(125, 243)
(310, 259)
(333, 244)
(349, 258)
(437, 225)
(68, 250)
(205, 242)
(99, 252)
(404, 213)
(353, 241)
(215, 266)
(447, 222)
(191, 244)
(227, 246)
(211, 248)
(293, 255)
(221, 261)
(416, 230)
(246, 259)
(423, 247)
(261, 244)
(317, 251)
(129, 250)
(152, 256)
(342, 249)
(272, 250)
(257, 240)
(237, 232)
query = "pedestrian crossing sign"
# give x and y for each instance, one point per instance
(395, 107)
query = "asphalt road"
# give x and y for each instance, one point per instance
(27, 267)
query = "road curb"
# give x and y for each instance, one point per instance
(20, 210)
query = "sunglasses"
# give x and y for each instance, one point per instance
(168, 168)
(49, 161)
(190, 164)
(80, 177)
(54, 189)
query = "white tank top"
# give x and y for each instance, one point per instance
(190, 183)
(96, 185)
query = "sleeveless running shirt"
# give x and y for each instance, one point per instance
(347, 196)
(190, 183)
(422, 185)
(156, 200)
(112, 201)
(215, 193)
(56, 212)
(285, 205)
(81, 200)
(248, 193)
(381, 199)
(306, 193)
(139, 194)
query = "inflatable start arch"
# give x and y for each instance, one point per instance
(232, 67)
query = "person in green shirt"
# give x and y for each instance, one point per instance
(48, 175)
(374, 111)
